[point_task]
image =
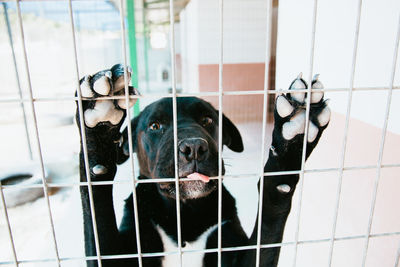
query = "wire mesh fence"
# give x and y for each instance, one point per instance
(31, 100)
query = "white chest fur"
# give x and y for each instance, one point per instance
(189, 259)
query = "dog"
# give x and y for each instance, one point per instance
(197, 153)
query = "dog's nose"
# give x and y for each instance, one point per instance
(193, 149)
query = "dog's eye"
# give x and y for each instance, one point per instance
(206, 121)
(154, 126)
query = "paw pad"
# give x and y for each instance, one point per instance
(106, 83)
(300, 84)
(283, 106)
(102, 85)
(85, 87)
(291, 110)
(316, 84)
(99, 169)
(104, 110)
(297, 84)
(283, 188)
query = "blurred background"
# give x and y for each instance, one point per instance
(52, 76)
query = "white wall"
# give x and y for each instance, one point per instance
(336, 23)
(244, 25)
(189, 28)
(245, 34)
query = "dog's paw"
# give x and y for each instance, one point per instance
(290, 114)
(105, 83)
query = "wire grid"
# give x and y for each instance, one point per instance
(397, 264)
(10, 235)
(220, 93)
(220, 110)
(199, 94)
(382, 143)
(225, 177)
(83, 134)
(263, 132)
(224, 249)
(303, 156)
(346, 129)
(175, 126)
(130, 142)
(38, 144)
(10, 39)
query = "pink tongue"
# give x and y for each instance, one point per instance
(199, 176)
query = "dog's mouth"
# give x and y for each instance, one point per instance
(197, 185)
(194, 174)
(199, 177)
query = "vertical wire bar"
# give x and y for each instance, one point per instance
(382, 145)
(397, 263)
(130, 143)
(175, 126)
(83, 134)
(10, 39)
(220, 125)
(145, 44)
(346, 130)
(38, 144)
(14, 253)
(264, 126)
(307, 120)
(10, 235)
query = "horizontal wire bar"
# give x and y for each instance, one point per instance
(197, 94)
(211, 250)
(170, 180)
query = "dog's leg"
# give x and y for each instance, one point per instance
(102, 122)
(232, 236)
(286, 155)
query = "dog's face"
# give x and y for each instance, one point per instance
(197, 123)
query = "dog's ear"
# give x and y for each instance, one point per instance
(231, 135)
(123, 148)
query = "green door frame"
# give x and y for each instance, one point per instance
(130, 6)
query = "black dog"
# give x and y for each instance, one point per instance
(152, 135)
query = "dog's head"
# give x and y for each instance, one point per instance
(197, 124)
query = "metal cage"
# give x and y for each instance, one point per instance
(264, 94)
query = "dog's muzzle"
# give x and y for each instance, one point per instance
(193, 157)
(191, 149)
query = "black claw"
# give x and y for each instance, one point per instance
(117, 71)
(291, 87)
(97, 76)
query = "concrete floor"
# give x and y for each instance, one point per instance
(33, 240)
